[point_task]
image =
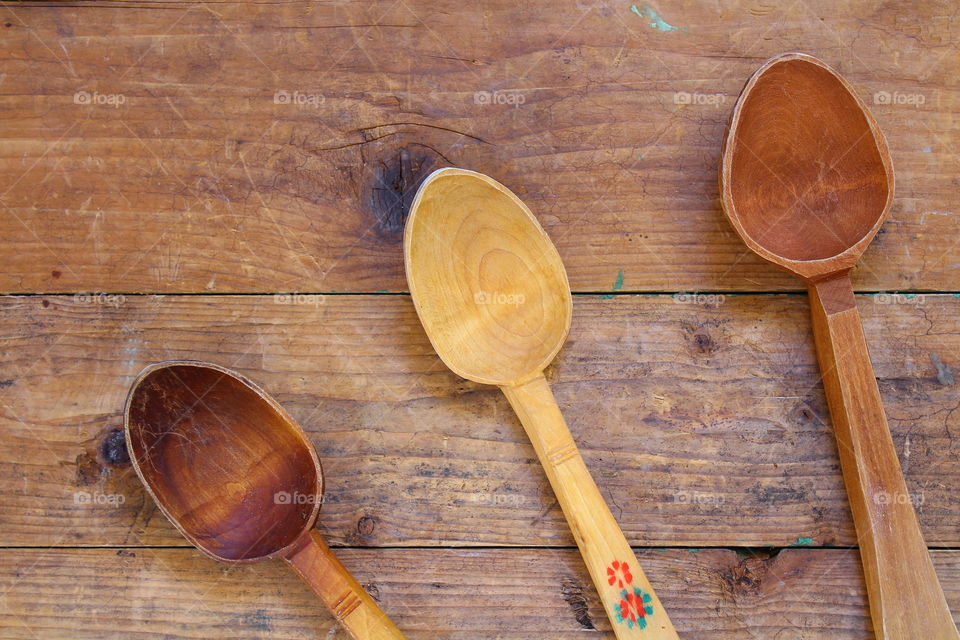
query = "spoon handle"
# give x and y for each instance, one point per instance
(353, 607)
(633, 607)
(906, 600)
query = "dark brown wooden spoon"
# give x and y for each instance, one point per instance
(240, 480)
(806, 181)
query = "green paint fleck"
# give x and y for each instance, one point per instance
(617, 285)
(694, 550)
(382, 290)
(803, 542)
(656, 22)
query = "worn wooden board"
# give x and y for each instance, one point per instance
(703, 422)
(158, 147)
(150, 147)
(523, 594)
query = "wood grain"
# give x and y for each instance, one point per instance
(702, 422)
(441, 594)
(199, 181)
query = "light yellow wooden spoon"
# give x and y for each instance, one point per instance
(493, 296)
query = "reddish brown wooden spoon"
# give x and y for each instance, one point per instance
(239, 479)
(806, 181)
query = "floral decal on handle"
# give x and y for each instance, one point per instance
(619, 573)
(633, 606)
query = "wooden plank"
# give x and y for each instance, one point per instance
(493, 594)
(178, 171)
(703, 422)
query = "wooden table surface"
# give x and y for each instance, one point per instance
(228, 181)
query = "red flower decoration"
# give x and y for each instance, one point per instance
(632, 608)
(619, 573)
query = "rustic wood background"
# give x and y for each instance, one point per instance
(169, 168)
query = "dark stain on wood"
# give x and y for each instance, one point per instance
(572, 592)
(257, 619)
(391, 183)
(6, 383)
(777, 495)
(88, 470)
(114, 449)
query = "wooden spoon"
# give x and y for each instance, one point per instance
(807, 181)
(494, 299)
(239, 479)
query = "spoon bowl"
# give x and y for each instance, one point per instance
(240, 480)
(807, 176)
(499, 309)
(219, 457)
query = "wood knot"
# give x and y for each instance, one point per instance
(372, 589)
(391, 183)
(746, 578)
(698, 335)
(804, 414)
(572, 592)
(703, 343)
(366, 526)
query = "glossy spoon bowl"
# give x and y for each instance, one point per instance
(493, 297)
(806, 182)
(239, 479)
